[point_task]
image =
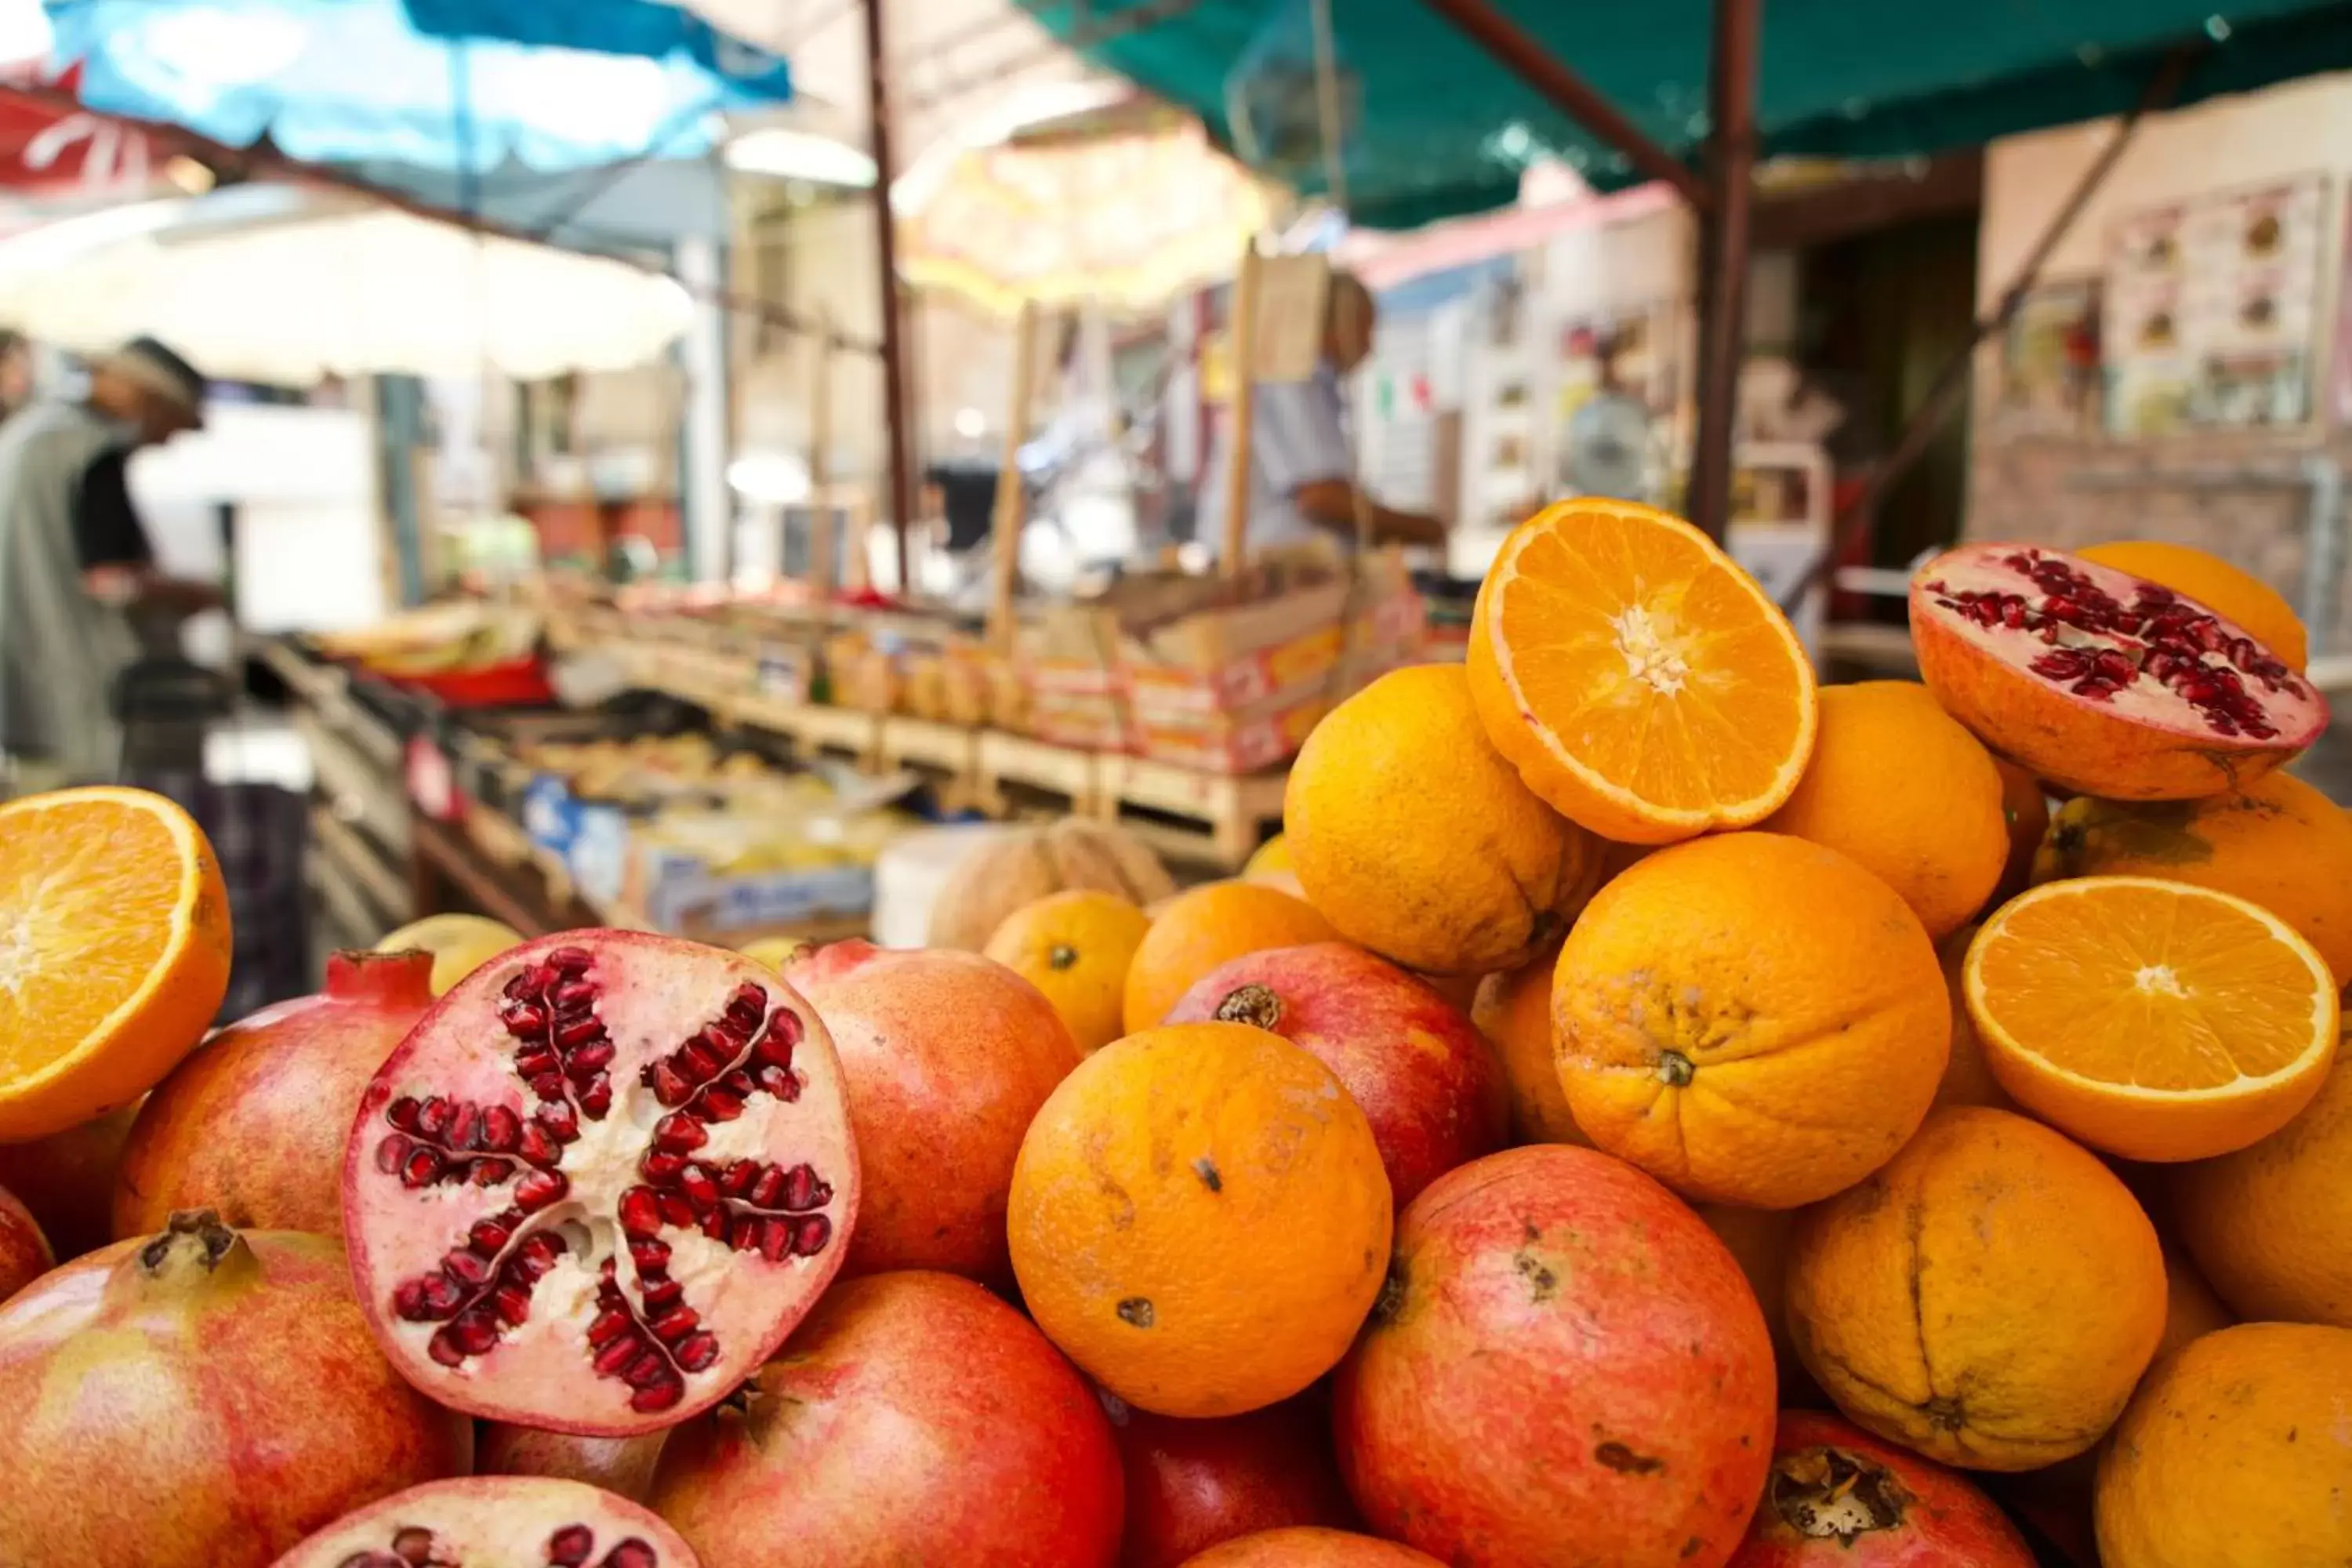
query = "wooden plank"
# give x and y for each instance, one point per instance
(1227, 813)
(1007, 758)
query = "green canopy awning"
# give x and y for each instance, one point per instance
(1438, 128)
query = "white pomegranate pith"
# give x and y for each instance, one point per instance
(599, 1181)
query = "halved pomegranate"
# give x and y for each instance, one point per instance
(2103, 682)
(492, 1521)
(600, 1183)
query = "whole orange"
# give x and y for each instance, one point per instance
(1200, 1218)
(2235, 1454)
(1968, 1078)
(2027, 811)
(2216, 584)
(1512, 1010)
(1409, 830)
(1897, 783)
(1989, 1298)
(1075, 947)
(1203, 929)
(2271, 1226)
(2279, 843)
(1751, 1018)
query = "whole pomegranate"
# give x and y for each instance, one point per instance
(1839, 1497)
(202, 1398)
(24, 1253)
(1567, 1366)
(623, 1465)
(252, 1123)
(599, 1182)
(1191, 1484)
(948, 1055)
(2103, 682)
(495, 1521)
(1429, 1084)
(67, 1180)
(913, 1418)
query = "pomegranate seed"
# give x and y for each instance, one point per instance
(536, 1062)
(524, 1020)
(434, 1117)
(661, 1295)
(660, 1396)
(536, 1145)
(699, 1189)
(697, 1352)
(563, 1123)
(429, 1299)
(512, 1304)
(489, 1236)
(491, 1172)
(578, 1032)
(501, 1129)
(647, 1370)
(402, 1113)
(738, 1178)
(414, 1545)
(548, 1086)
(663, 1168)
(520, 988)
(699, 1061)
(608, 1326)
(570, 1547)
(674, 1326)
(466, 1269)
(714, 1224)
(769, 1187)
(596, 1097)
(423, 1167)
(744, 1236)
(774, 1047)
(780, 1082)
(679, 1133)
(543, 977)
(540, 1188)
(470, 1333)
(570, 960)
(650, 1256)
(739, 1084)
(803, 1189)
(776, 1240)
(621, 1353)
(573, 995)
(669, 1086)
(810, 1237)
(591, 1058)
(677, 1210)
(717, 1105)
(392, 1153)
(640, 1214)
(749, 999)
(2091, 686)
(541, 1249)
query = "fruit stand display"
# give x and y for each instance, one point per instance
(1648, 1109)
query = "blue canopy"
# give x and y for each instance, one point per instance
(438, 84)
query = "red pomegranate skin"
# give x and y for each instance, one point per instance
(67, 1180)
(913, 1418)
(1839, 1497)
(1427, 1080)
(947, 1056)
(24, 1254)
(253, 1124)
(1192, 1484)
(204, 1398)
(1310, 1547)
(621, 1465)
(1567, 1370)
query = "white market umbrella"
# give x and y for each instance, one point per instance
(278, 284)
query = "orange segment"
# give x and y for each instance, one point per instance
(2154, 1019)
(1641, 681)
(114, 951)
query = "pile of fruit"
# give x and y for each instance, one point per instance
(1657, 1114)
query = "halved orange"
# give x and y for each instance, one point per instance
(114, 951)
(1637, 677)
(2153, 1019)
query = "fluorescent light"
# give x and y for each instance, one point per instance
(970, 424)
(782, 152)
(772, 479)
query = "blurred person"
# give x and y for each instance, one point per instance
(75, 565)
(1301, 481)
(15, 371)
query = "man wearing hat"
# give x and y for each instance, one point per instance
(76, 565)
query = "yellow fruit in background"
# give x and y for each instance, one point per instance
(1416, 838)
(2270, 1226)
(1750, 1018)
(1512, 1010)
(459, 944)
(776, 952)
(2153, 1019)
(1897, 784)
(2236, 1453)
(1270, 858)
(2237, 595)
(2279, 843)
(1990, 1298)
(1076, 948)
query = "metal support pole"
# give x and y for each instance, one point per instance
(902, 488)
(1528, 60)
(1723, 260)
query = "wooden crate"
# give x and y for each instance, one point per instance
(1203, 818)
(1015, 770)
(947, 754)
